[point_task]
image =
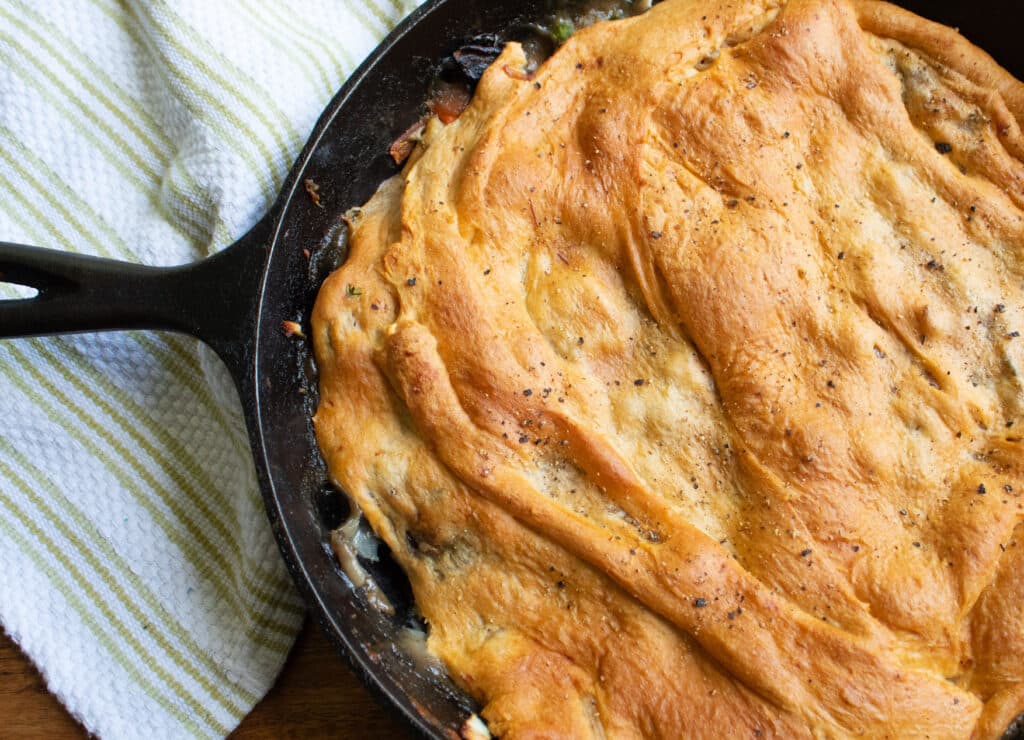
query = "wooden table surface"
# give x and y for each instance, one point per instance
(316, 696)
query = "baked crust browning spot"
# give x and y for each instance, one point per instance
(682, 379)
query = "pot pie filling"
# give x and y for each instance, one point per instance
(682, 378)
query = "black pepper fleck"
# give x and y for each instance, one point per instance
(805, 553)
(638, 382)
(700, 603)
(410, 282)
(981, 489)
(943, 148)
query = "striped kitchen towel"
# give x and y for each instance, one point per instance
(137, 567)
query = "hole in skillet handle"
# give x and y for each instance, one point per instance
(16, 291)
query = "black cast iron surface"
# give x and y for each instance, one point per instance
(236, 302)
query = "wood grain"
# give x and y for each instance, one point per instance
(316, 696)
(27, 708)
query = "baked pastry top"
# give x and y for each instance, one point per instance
(683, 379)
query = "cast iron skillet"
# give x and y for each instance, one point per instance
(236, 301)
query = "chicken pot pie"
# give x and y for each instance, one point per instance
(683, 379)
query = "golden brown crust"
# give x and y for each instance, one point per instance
(945, 46)
(683, 379)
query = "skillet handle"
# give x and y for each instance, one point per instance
(214, 300)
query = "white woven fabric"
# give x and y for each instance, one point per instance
(137, 568)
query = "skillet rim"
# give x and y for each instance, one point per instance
(384, 689)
